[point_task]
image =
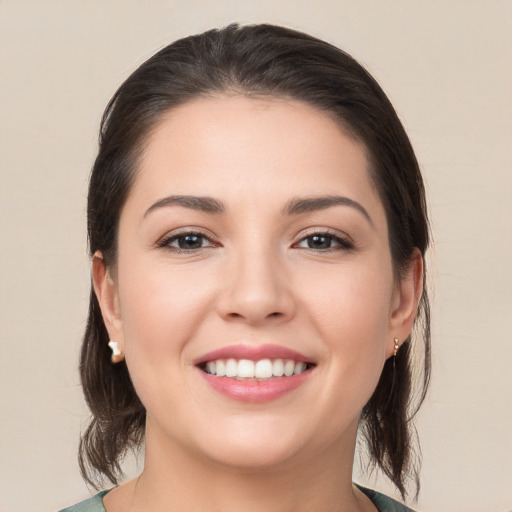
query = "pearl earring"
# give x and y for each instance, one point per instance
(117, 355)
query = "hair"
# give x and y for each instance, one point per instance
(279, 62)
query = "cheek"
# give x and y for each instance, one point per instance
(351, 310)
(161, 311)
(160, 308)
(355, 300)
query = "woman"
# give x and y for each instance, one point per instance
(257, 227)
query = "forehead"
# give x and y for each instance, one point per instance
(256, 148)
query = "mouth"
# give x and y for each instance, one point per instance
(254, 373)
(259, 370)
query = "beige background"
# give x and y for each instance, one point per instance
(446, 66)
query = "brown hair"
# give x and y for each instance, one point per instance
(276, 61)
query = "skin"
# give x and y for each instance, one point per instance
(256, 279)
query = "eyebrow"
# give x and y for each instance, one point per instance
(301, 205)
(204, 204)
(295, 206)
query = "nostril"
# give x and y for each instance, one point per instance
(239, 315)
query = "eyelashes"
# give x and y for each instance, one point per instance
(325, 241)
(187, 242)
(195, 241)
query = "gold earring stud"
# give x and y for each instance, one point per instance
(397, 346)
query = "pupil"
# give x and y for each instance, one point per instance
(190, 242)
(319, 242)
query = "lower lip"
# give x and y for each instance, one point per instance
(253, 391)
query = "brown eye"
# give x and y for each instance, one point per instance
(190, 241)
(184, 242)
(319, 242)
(324, 242)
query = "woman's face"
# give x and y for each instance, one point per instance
(253, 245)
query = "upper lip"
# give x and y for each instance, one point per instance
(253, 353)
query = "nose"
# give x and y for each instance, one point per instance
(257, 290)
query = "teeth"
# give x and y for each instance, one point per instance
(220, 368)
(246, 368)
(299, 368)
(289, 367)
(231, 368)
(278, 368)
(262, 369)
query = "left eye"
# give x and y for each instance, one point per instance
(186, 242)
(323, 241)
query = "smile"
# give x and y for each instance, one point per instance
(254, 374)
(263, 369)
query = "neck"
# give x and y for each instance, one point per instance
(174, 475)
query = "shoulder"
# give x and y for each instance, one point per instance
(94, 504)
(383, 502)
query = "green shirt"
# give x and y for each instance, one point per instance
(382, 502)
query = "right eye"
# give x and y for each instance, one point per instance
(186, 242)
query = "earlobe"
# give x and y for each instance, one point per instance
(107, 295)
(405, 305)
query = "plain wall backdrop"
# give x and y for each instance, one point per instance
(446, 66)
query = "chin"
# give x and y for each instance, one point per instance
(254, 459)
(260, 446)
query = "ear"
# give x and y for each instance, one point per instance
(405, 302)
(108, 298)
